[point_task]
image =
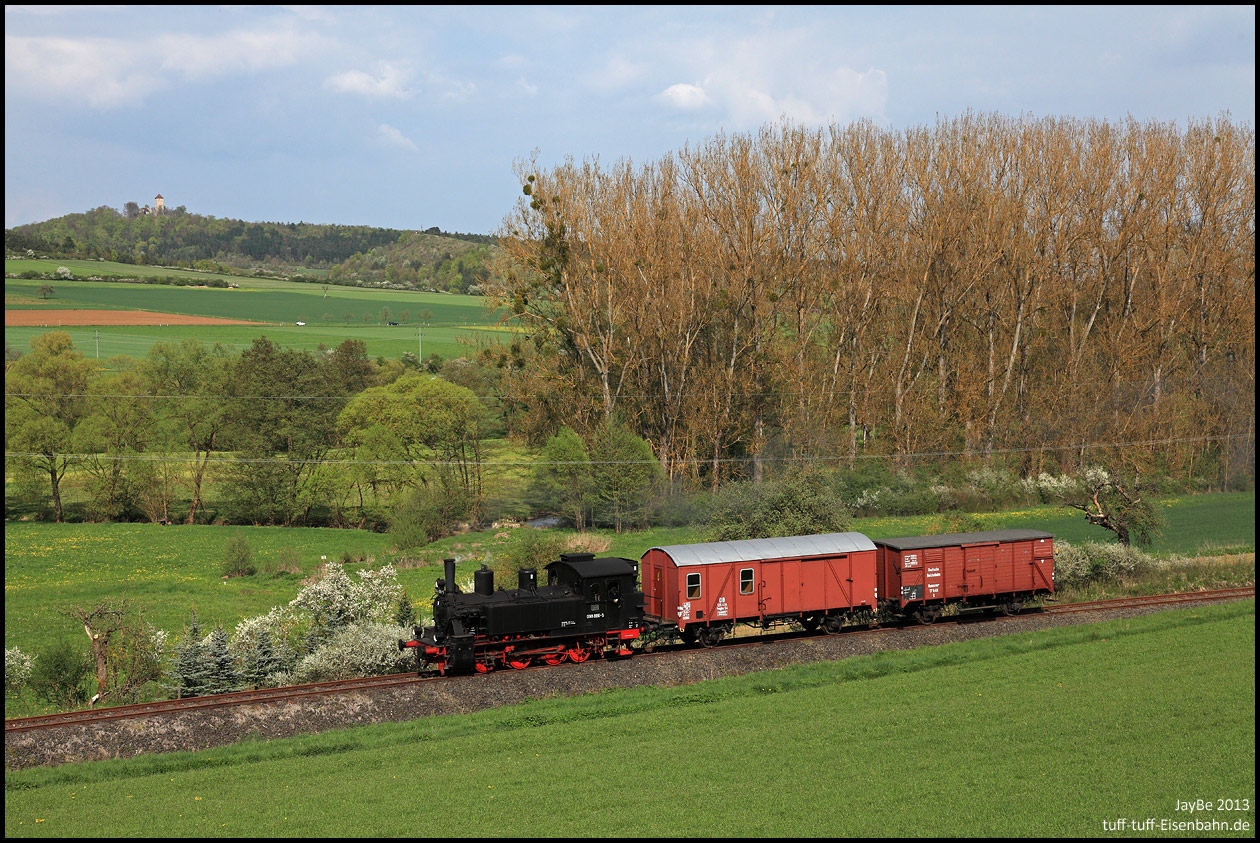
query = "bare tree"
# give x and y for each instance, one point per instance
(126, 653)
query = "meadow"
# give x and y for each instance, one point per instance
(1054, 733)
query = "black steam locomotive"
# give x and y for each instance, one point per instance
(589, 608)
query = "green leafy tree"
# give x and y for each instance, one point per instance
(563, 483)
(281, 423)
(624, 474)
(119, 425)
(800, 503)
(427, 512)
(436, 424)
(44, 402)
(193, 378)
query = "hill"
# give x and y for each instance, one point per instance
(431, 260)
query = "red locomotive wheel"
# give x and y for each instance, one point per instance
(519, 662)
(554, 659)
(578, 654)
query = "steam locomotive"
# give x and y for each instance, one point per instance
(697, 593)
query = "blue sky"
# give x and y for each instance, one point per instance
(412, 117)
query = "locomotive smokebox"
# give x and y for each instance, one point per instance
(450, 576)
(483, 582)
(527, 579)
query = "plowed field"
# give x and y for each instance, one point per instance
(76, 318)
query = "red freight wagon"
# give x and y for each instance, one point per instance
(997, 569)
(701, 591)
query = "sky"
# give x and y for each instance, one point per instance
(410, 117)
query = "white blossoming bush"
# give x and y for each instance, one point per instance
(17, 670)
(281, 623)
(367, 649)
(336, 628)
(1052, 487)
(336, 600)
(1076, 565)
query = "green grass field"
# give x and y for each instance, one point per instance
(430, 323)
(1055, 733)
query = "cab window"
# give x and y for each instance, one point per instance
(746, 581)
(693, 586)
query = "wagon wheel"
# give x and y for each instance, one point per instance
(554, 659)
(1014, 607)
(832, 624)
(712, 636)
(578, 654)
(927, 615)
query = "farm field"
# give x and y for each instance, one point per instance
(429, 323)
(1054, 733)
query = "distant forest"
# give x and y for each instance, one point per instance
(351, 255)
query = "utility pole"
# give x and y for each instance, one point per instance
(98, 343)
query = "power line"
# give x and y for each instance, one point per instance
(225, 459)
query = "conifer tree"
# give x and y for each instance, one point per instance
(223, 676)
(190, 664)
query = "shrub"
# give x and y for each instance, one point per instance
(369, 649)
(797, 504)
(1079, 565)
(17, 670)
(238, 557)
(57, 676)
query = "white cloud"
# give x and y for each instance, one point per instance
(100, 72)
(394, 138)
(685, 96)
(754, 80)
(116, 72)
(391, 82)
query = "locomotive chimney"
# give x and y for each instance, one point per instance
(450, 576)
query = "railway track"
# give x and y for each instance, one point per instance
(264, 696)
(1154, 600)
(275, 696)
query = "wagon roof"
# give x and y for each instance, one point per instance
(753, 550)
(953, 539)
(607, 566)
